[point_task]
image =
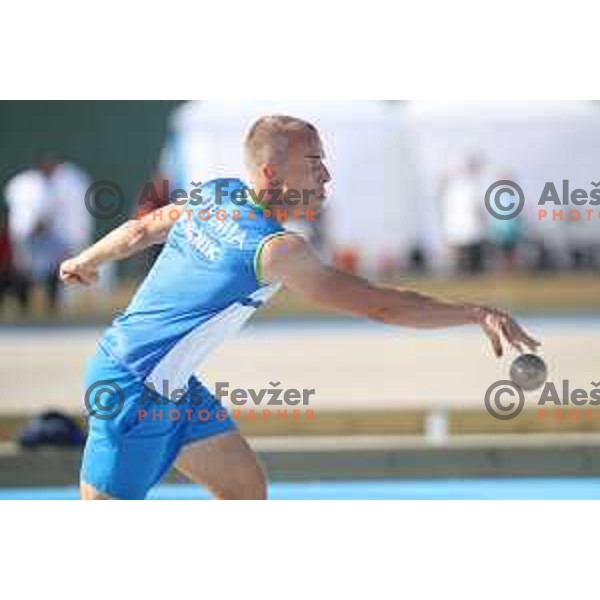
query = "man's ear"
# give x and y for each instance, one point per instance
(270, 171)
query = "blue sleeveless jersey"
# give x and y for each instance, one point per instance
(202, 289)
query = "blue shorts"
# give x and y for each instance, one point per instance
(135, 435)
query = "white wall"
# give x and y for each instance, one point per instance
(534, 141)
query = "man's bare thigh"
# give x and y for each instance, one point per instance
(226, 465)
(89, 492)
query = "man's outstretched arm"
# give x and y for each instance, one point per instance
(126, 240)
(289, 260)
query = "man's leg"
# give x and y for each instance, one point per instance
(89, 492)
(226, 465)
(126, 452)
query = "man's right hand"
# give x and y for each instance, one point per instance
(499, 325)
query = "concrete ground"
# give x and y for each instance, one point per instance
(377, 389)
(350, 365)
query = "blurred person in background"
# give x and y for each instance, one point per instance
(462, 192)
(66, 187)
(506, 235)
(151, 198)
(48, 220)
(11, 282)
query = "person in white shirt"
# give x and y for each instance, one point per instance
(48, 221)
(465, 219)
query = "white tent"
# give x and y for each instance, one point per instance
(371, 194)
(533, 142)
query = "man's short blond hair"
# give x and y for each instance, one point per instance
(267, 140)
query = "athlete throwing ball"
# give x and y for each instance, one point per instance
(210, 278)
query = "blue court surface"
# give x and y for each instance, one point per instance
(429, 489)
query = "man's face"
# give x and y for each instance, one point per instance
(305, 170)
